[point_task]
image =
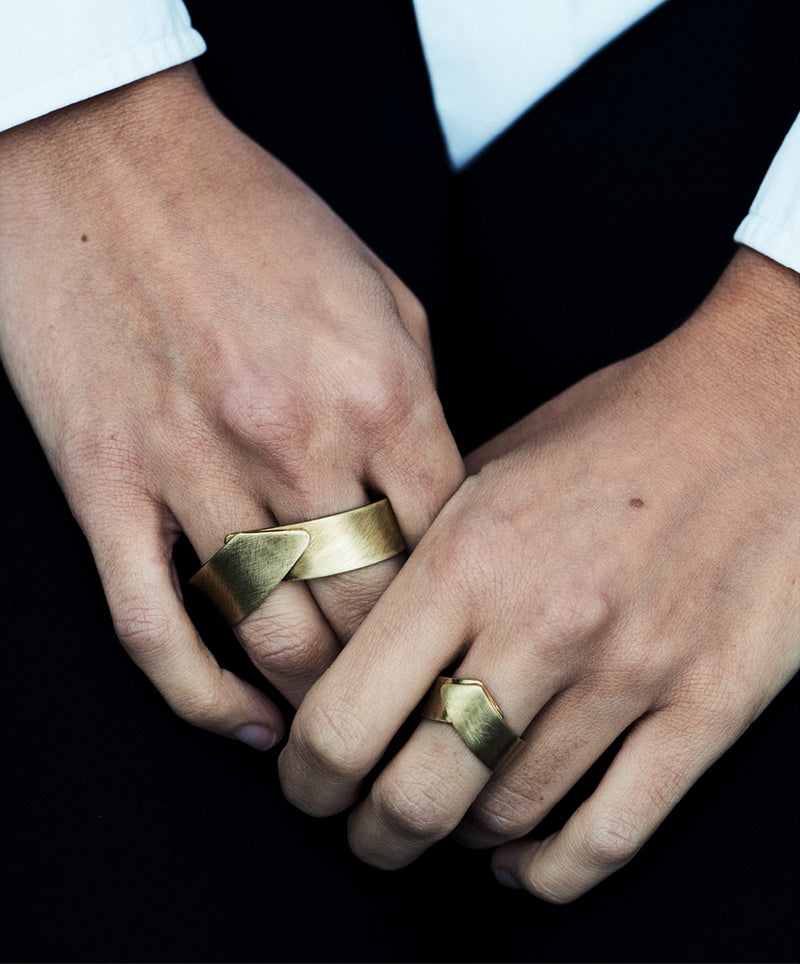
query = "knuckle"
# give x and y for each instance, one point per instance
(145, 631)
(142, 627)
(279, 422)
(97, 457)
(719, 700)
(572, 612)
(506, 816)
(377, 395)
(415, 808)
(405, 302)
(642, 667)
(415, 318)
(199, 705)
(331, 737)
(731, 713)
(612, 839)
(290, 649)
(414, 312)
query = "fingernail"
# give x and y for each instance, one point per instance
(257, 736)
(507, 879)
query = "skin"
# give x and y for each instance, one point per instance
(622, 561)
(202, 346)
(627, 555)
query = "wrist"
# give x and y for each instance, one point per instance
(86, 147)
(744, 339)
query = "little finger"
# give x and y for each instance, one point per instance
(660, 759)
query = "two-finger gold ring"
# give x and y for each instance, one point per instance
(240, 575)
(469, 707)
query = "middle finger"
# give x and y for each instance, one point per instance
(286, 636)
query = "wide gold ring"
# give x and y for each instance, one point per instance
(468, 706)
(240, 575)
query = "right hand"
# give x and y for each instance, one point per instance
(203, 347)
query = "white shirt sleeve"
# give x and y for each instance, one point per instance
(57, 52)
(773, 224)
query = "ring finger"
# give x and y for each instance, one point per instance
(558, 753)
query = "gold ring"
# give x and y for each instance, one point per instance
(468, 706)
(240, 575)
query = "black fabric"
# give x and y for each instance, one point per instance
(590, 229)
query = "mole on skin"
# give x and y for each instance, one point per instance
(84, 237)
(636, 503)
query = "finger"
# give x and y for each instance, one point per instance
(344, 599)
(154, 628)
(347, 599)
(286, 636)
(564, 740)
(289, 641)
(348, 718)
(416, 498)
(416, 466)
(424, 793)
(416, 495)
(418, 799)
(337, 603)
(419, 484)
(659, 761)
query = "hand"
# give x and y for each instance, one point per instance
(202, 346)
(624, 562)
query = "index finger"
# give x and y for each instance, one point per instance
(157, 633)
(348, 718)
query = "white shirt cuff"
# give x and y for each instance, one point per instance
(54, 53)
(773, 224)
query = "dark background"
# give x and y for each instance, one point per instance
(590, 229)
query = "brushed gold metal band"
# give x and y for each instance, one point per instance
(240, 575)
(468, 706)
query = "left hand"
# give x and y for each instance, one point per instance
(217, 352)
(625, 561)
